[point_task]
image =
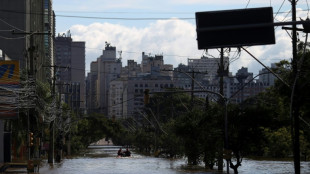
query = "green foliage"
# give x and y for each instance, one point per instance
(278, 142)
(91, 129)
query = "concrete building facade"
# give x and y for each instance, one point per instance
(106, 69)
(27, 30)
(70, 65)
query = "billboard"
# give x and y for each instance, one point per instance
(9, 81)
(235, 28)
(9, 72)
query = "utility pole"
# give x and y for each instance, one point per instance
(51, 126)
(221, 74)
(295, 92)
(193, 87)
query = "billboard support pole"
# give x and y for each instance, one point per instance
(295, 93)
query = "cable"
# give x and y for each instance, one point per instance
(279, 9)
(308, 8)
(130, 19)
(12, 25)
(122, 18)
(124, 12)
(247, 3)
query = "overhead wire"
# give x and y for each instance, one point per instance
(126, 18)
(248, 4)
(279, 9)
(307, 8)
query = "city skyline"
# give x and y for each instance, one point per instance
(166, 28)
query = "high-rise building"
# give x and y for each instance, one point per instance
(267, 77)
(208, 66)
(106, 69)
(27, 35)
(70, 65)
(27, 30)
(91, 88)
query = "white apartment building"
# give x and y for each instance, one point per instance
(207, 65)
(117, 105)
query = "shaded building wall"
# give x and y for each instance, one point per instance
(11, 20)
(26, 19)
(70, 61)
(109, 68)
(78, 69)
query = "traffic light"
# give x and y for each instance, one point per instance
(30, 166)
(30, 139)
(146, 96)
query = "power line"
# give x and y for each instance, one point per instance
(308, 8)
(123, 12)
(279, 9)
(247, 3)
(123, 18)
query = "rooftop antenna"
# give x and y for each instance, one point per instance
(120, 54)
(107, 44)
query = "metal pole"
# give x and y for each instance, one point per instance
(226, 136)
(221, 73)
(193, 84)
(295, 92)
(51, 138)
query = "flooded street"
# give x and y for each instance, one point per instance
(103, 160)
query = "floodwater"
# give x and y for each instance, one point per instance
(103, 160)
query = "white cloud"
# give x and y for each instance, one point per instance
(176, 39)
(172, 37)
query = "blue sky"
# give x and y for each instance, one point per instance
(174, 38)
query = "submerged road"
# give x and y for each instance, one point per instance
(103, 160)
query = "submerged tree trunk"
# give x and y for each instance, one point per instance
(235, 166)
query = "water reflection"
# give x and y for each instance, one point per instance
(103, 160)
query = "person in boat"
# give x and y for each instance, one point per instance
(120, 152)
(127, 153)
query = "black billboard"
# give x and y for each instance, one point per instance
(235, 28)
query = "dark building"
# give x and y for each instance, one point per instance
(27, 30)
(70, 64)
(22, 26)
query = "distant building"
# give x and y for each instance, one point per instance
(70, 65)
(131, 70)
(155, 64)
(91, 88)
(118, 99)
(106, 69)
(135, 91)
(243, 86)
(119, 90)
(267, 77)
(208, 66)
(182, 77)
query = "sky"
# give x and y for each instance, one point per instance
(166, 27)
